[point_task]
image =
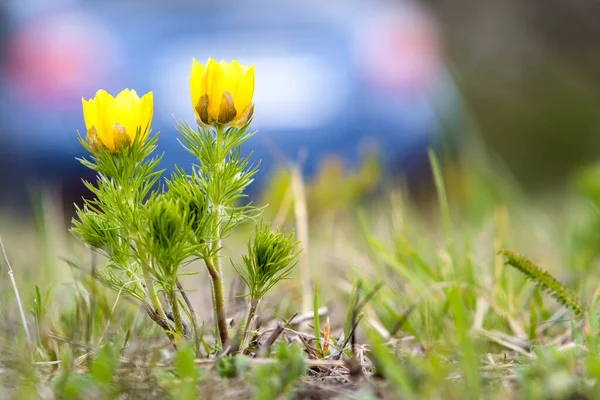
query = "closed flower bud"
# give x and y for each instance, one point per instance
(112, 123)
(221, 93)
(271, 257)
(165, 224)
(96, 230)
(198, 214)
(271, 249)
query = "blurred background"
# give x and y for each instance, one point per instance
(337, 82)
(339, 78)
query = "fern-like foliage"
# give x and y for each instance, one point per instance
(544, 280)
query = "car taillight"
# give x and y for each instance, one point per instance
(56, 58)
(399, 50)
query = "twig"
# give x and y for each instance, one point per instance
(302, 232)
(14, 284)
(505, 343)
(266, 347)
(355, 320)
(350, 335)
(193, 314)
(311, 352)
(369, 296)
(403, 318)
(254, 362)
(308, 316)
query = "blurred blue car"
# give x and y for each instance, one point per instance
(329, 76)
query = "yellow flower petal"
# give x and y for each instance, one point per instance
(243, 97)
(113, 122)
(126, 118)
(243, 119)
(221, 92)
(196, 88)
(88, 113)
(104, 107)
(233, 76)
(213, 82)
(146, 107)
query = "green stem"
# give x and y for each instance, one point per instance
(218, 300)
(129, 196)
(149, 283)
(153, 296)
(214, 264)
(251, 313)
(175, 310)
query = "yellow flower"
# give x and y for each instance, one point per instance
(113, 122)
(222, 93)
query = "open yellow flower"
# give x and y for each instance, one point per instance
(222, 93)
(114, 122)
